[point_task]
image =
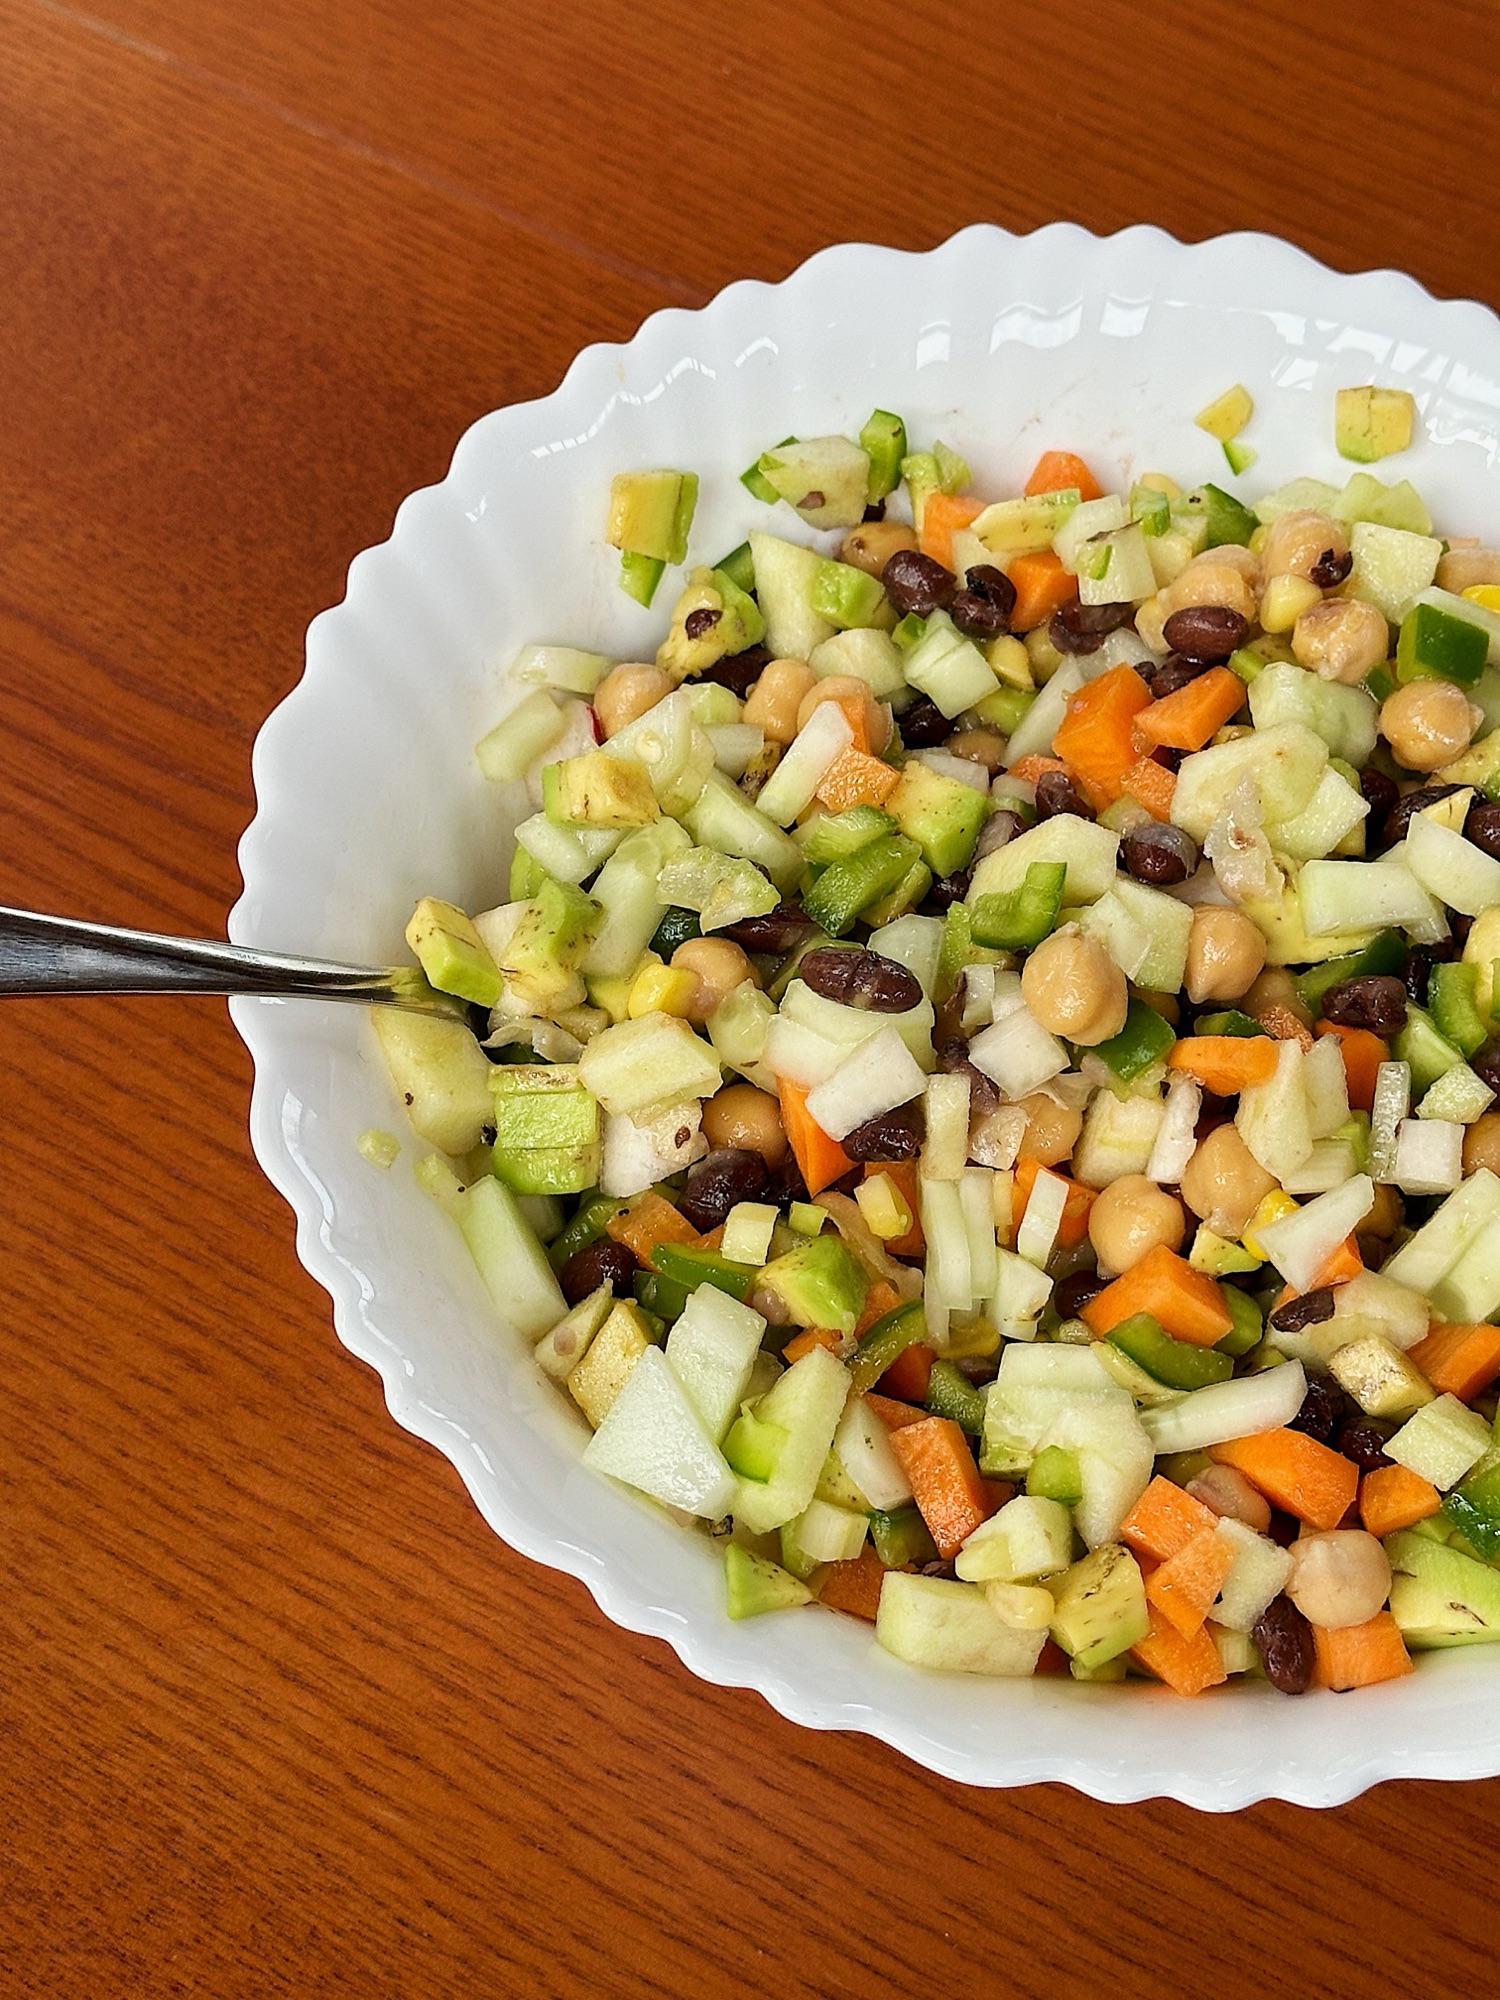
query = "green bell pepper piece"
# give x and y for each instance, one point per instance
(689, 1267)
(1249, 1325)
(1177, 1364)
(950, 1393)
(1383, 955)
(837, 836)
(881, 1343)
(1054, 1475)
(739, 567)
(847, 887)
(585, 1226)
(675, 928)
(884, 439)
(1451, 1002)
(1144, 1040)
(1019, 918)
(755, 481)
(1230, 1022)
(901, 1537)
(662, 1296)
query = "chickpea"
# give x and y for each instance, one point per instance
(773, 702)
(1226, 954)
(1428, 724)
(1341, 1576)
(1074, 988)
(981, 746)
(1131, 1216)
(1223, 1183)
(719, 967)
(627, 691)
(846, 687)
(871, 545)
(1228, 575)
(1231, 1496)
(1462, 569)
(1294, 544)
(1341, 639)
(1482, 1143)
(747, 1119)
(1052, 1129)
(1273, 996)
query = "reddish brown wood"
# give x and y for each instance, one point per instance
(280, 1716)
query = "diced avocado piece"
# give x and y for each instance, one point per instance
(846, 596)
(1432, 645)
(639, 576)
(755, 482)
(686, 1265)
(1474, 1509)
(1219, 1256)
(920, 471)
(451, 952)
(1430, 1053)
(1100, 1606)
(597, 790)
(883, 440)
(1239, 457)
(1176, 1363)
(440, 1073)
(1054, 1474)
(754, 1584)
(1451, 991)
(1479, 765)
(942, 815)
(712, 619)
(824, 478)
(615, 1349)
(644, 514)
(526, 874)
(1439, 1596)
(547, 944)
(1371, 423)
(1227, 415)
(1226, 519)
(546, 1129)
(820, 1283)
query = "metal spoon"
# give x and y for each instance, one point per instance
(41, 954)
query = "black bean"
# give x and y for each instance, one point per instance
(991, 583)
(604, 1262)
(737, 671)
(1414, 801)
(1374, 1002)
(1167, 757)
(716, 1182)
(914, 582)
(1460, 923)
(875, 511)
(998, 829)
(976, 617)
(1322, 1406)
(698, 624)
(1486, 1066)
(1416, 968)
(1380, 793)
(778, 930)
(1175, 671)
(1083, 628)
(1331, 568)
(953, 1057)
(1206, 632)
(859, 978)
(895, 1135)
(949, 889)
(1074, 1292)
(1363, 1441)
(1483, 828)
(1160, 854)
(1307, 1309)
(923, 724)
(1284, 1640)
(1055, 795)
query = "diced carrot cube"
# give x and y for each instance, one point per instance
(649, 1220)
(1184, 1587)
(942, 513)
(896, 1415)
(1188, 1664)
(1225, 1064)
(879, 1300)
(809, 1338)
(1459, 1360)
(1187, 1303)
(855, 778)
(1165, 1520)
(854, 1586)
(1295, 1473)
(1363, 1052)
(1392, 1497)
(1056, 471)
(1152, 785)
(944, 1479)
(1357, 1656)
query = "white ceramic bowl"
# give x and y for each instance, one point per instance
(369, 796)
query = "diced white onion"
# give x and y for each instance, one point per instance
(1225, 1410)
(1175, 1136)
(871, 1080)
(1300, 1245)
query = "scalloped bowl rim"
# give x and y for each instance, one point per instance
(1350, 1755)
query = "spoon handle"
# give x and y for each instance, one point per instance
(42, 954)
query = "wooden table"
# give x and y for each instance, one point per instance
(280, 1716)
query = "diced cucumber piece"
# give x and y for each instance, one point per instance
(1227, 520)
(1239, 457)
(1031, 1536)
(1334, 812)
(1088, 849)
(567, 854)
(1452, 869)
(440, 1073)
(1441, 1442)
(846, 596)
(512, 746)
(1295, 497)
(948, 668)
(627, 893)
(1119, 570)
(785, 576)
(806, 1403)
(1433, 644)
(511, 1261)
(1086, 521)
(1365, 498)
(639, 1064)
(1366, 895)
(722, 889)
(932, 1622)
(883, 441)
(869, 655)
(724, 818)
(1284, 760)
(739, 567)
(1345, 717)
(652, 1438)
(824, 478)
(1451, 996)
(1391, 565)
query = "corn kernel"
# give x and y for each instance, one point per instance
(1485, 594)
(611, 993)
(1010, 661)
(662, 989)
(1284, 600)
(1276, 1204)
(1024, 1607)
(882, 1206)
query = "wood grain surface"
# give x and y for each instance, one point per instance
(278, 1715)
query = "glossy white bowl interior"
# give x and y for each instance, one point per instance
(369, 796)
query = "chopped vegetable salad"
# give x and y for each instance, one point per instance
(981, 1091)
